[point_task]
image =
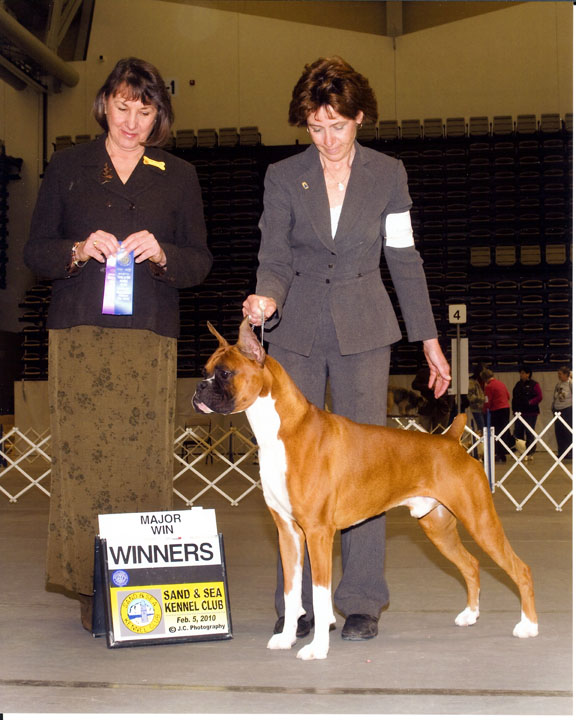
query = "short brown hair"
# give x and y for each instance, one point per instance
(332, 82)
(141, 81)
(486, 375)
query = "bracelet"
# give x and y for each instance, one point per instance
(75, 261)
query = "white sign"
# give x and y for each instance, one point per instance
(161, 539)
(195, 522)
(161, 577)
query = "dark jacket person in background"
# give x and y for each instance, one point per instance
(526, 399)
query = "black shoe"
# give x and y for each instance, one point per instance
(302, 630)
(360, 627)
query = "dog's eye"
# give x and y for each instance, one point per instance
(224, 374)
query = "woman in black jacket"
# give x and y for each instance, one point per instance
(118, 227)
(526, 399)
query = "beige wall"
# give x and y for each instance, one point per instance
(514, 61)
(518, 60)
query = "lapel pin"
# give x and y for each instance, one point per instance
(305, 185)
(156, 163)
(106, 175)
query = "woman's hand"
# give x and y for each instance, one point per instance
(254, 305)
(439, 367)
(98, 245)
(145, 247)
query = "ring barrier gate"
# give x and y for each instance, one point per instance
(225, 461)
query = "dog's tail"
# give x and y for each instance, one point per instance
(457, 428)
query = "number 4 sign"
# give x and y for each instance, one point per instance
(457, 314)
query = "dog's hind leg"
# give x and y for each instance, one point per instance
(291, 541)
(440, 526)
(320, 550)
(486, 529)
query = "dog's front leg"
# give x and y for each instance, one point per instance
(291, 541)
(320, 552)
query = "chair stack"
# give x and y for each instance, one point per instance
(232, 195)
(493, 220)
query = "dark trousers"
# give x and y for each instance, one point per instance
(563, 434)
(358, 390)
(521, 432)
(499, 420)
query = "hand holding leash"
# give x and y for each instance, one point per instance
(258, 309)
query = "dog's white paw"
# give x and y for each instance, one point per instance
(467, 617)
(525, 628)
(313, 651)
(281, 641)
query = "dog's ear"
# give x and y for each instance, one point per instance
(248, 343)
(223, 342)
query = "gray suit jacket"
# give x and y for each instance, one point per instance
(301, 266)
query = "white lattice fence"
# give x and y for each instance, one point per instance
(553, 478)
(224, 461)
(24, 458)
(521, 479)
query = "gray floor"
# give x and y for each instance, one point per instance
(420, 664)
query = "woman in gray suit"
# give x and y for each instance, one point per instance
(328, 211)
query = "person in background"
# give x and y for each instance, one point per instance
(498, 404)
(118, 207)
(477, 400)
(562, 403)
(328, 213)
(526, 399)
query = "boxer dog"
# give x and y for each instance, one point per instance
(321, 472)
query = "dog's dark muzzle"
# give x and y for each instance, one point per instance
(209, 398)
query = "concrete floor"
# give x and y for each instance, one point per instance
(420, 664)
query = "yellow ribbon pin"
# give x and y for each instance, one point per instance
(157, 163)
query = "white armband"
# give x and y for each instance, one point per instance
(399, 230)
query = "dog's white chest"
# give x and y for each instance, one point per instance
(265, 423)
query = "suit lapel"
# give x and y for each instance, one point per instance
(359, 188)
(312, 191)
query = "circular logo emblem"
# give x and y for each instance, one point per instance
(141, 612)
(123, 258)
(120, 578)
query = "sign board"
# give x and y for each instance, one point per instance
(162, 577)
(456, 314)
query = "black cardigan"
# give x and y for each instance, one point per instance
(80, 194)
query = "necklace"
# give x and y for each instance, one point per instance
(343, 181)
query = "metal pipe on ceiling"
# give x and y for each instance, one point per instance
(29, 43)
